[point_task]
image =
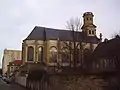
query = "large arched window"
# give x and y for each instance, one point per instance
(65, 56)
(30, 53)
(40, 53)
(53, 55)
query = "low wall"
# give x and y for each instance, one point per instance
(20, 80)
(67, 82)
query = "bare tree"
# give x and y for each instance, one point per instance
(74, 25)
(115, 34)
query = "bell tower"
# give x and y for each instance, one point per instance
(88, 27)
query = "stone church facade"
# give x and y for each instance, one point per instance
(54, 45)
(47, 54)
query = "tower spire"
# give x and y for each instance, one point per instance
(88, 27)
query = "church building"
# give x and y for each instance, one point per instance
(50, 45)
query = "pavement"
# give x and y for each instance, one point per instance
(5, 86)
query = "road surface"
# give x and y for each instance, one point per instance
(5, 86)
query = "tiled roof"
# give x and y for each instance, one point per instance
(18, 62)
(109, 48)
(42, 33)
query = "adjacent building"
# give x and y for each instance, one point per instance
(106, 56)
(9, 56)
(13, 67)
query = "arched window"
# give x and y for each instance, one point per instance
(53, 55)
(30, 53)
(93, 32)
(65, 57)
(40, 54)
(89, 31)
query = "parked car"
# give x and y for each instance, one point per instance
(7, 80)
(0, 76)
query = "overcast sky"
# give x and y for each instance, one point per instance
(19, 17)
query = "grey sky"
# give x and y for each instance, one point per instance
(19, 17)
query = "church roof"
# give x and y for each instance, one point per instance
(42, 33)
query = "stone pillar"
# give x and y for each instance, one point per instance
(24, 52)
(45, 51)
(58, 50)
(22, 55)
(36, 52)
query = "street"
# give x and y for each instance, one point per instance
(5, 86)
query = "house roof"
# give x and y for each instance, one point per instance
(107, 49)
(42, 33)
(16, 62)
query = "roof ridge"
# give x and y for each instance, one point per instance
(57, 29)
